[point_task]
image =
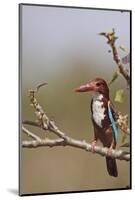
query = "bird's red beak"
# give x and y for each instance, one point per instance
(87, 87)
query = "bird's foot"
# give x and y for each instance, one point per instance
(93, 144)
(109, 152)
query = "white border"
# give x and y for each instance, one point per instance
(9, 98)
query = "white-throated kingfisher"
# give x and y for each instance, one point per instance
(103, 118)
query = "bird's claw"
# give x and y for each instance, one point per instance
(93, 144)
(109, 152)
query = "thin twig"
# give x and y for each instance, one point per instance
(30, 134)
(111, 39)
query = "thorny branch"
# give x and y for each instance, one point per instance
(45, 123)
(111, 39)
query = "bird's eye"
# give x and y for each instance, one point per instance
(98, 84)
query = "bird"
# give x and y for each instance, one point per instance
(103, 119)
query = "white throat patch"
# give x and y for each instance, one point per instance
(98, 110)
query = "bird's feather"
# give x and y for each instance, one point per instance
(115, 129)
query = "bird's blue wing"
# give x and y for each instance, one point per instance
(115, 129)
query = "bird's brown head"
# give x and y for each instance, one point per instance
(97, 85)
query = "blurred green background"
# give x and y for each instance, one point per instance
(61, 46)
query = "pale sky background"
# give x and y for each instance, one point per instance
(55, 38)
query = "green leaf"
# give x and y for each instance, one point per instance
(122, 48)
(114, 77)
(119, 96)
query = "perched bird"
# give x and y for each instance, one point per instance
(103, 118)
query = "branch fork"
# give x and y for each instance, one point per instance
(111, 39)
(43, 122)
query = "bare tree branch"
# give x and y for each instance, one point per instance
(43, 143)
(111, 39)
(119, 154)
(45, 123)
(30, 134)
